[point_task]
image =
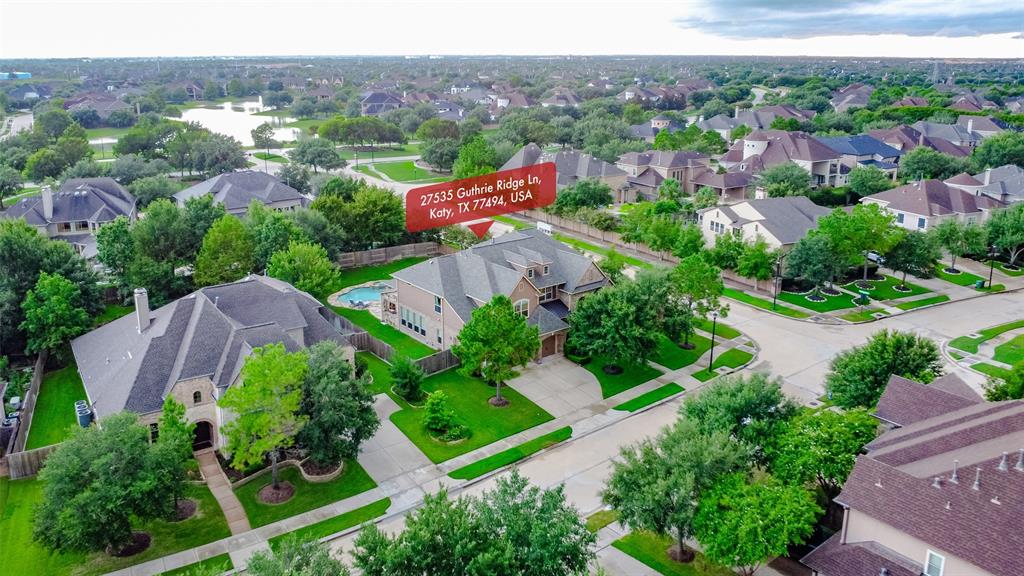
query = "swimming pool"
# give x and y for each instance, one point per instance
(364, 293)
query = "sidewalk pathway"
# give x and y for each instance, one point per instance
(238, 522)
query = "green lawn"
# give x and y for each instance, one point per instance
(722, 330)
(468, 399)
(971, 344)
(648, 398)
(335, 524)
(651, 550)
(612, 384)
(364, 169)
(763, 304)
(22, 555)
(54, 414)
(991, 370)
(587, 246)
(272, 157)
(404, 150)
(517, 224)
(863, 315)
(600, 519)
(401, 343)
(308, 496)
(886, 289)
(961, 279)
(1002, 268)
(95, 133)
(514, 454)
(923, 302)
(26, 192)
(1010, 352)
(353, 276)
(220, 563)
(405, 171)
(732, 358)
(305, 124)
(110, 313)
(379, 370)
(843, 301)
(672, 356)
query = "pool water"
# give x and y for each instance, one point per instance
(363, 294)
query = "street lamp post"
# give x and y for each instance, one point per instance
(991, 263)
(356, 154)
(714, 326)
(778, 277)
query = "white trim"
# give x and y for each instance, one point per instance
(927, 562)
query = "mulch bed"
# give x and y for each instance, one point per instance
(612, 369)
(140, 541)
(314, 469)
(684, 555)
(187, 508)
(269, 495)
(498, 402)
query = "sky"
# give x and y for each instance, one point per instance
(869, 28)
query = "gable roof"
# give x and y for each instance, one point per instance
(782, 147)
(78, 199)
(860, 145)
(235, 190)
(907, 138)
(667, 159)
(205, 334)
(571, 166)
(954, 133)
(905, 402)
(1005, 183)
(933, 198)
(982, 123)
(788, 219)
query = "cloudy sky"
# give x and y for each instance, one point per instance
(909, 28)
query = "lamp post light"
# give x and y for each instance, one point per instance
(778, 278)
(714, 326)
(992, 253)
(356, 154)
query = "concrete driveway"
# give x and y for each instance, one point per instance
(558, 386)
(389, 453)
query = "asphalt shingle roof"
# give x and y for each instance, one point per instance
(235, 190)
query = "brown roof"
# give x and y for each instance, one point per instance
(964, 179)
(712, 179)
(665, 158)
(934, 198)
(906, 481)
(858, 559)
(782, 147)
(905, 402)
(907, 138)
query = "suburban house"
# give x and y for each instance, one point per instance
(571, 166)
(544, 279)
(730, 186)
(756, 119)
(1005, 183)
(864, 150)
(963, 136)
(922, 205)
(377, 103)
(782, 222)
(971, 102)
(447, 110)
(906, 138)
(983, 126)
(561, 98)
(763, 149)
(855, 95)
(940, 495)
(104, 104)
(649, 130)
(321, 93)
(236, 190)
(193, 348)
(647, 170)
(915, 101)
(76, 211)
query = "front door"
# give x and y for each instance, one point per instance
(547, 346)
(202, 436)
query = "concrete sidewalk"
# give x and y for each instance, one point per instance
(219, 485)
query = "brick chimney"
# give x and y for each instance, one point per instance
(142, 309)
(47, 196)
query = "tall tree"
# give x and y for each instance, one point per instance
(857, 376)
(999, 150)
(960, 239)
(10, 183)
(266, 407)
(317, 153)
(744, 524)
(786, 179)
(915, 254)
(922, 163)
(868, 180)
(174, 445)
(115, 245)
(656, 485)
(757, 261)
(1006, 231)
(689, 241)
(304, 266)
(855, 234)
(476, 158)
(54, 313)
(612, 265)
(814, 259)
(494, 342)
(612, 325)
(700, 285)
(295, 557)
(226, 254)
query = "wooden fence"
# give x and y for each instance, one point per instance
(613, 238)
(365, 342)
(28, 463)
(28, 406)
(391, 253)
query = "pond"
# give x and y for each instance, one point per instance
(237, 119)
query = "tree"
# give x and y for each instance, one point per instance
(1006, 231)
(441, 153)
(436, 128)
(868, 180)
(590, 193)
(744, 524)
(174, 445)
(516, 528)
(226, 254)
(613, 325)
(112, 472)
(271, 231)
(42, 164)
(374, 218)
(757, 261)
(295, 175)
(821, 446)
(700, 285)
(740, 132)
(406, 378)
(705, 198)
(751, 409)
(656, 485)
(814, 259)
(263, 137)
(661, 234)
(218, 154)
(318, 153)
(999, 150)
(924, 163)
(10, 183)
(669, 189)
(858, 375)
(915, 254)
(266, 407)
(786, 179)
(115, 245)
(150, 188)
(476, 158)
(53, 122)
(689, 241)
(305, 266)
(612, 265)
(338, 406)
(727, 251)
(1010, 387)
(295, 557)
(494, 342)
(53, 313)
(960, 239)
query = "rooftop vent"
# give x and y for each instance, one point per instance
(1020, 461)
(977, 479)
(1004, 464)
(955, 477)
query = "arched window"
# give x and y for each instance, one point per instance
(197, 397)
(522, 307)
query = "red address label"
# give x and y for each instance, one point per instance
(479, 197)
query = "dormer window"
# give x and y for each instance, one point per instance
(547, 269)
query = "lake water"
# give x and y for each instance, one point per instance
(237, 119)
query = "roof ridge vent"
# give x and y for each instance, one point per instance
(977, 479)
(1004, 462)
(955, 477)
(1020, 461)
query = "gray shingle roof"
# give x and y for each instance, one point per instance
(788, 218)
(235, 190)
(571, 166)
(905, 402)
(933, 198)
(858, 559)
(78, 199)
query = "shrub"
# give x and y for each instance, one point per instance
(407, 377)
(439, 418)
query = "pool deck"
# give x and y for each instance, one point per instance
(372, 306)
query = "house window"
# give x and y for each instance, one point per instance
(899, 217)
(437, 304)
(522, 307)
(154, 432)
(934, 564)
(529, 272)
(438, 335)
(414, 321)
(197, 397)
(83, 225)
(920, 222)
(546, 269)
(547, 294)
(65, 226)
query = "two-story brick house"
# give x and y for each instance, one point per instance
(545, 280)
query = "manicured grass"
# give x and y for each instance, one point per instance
(514, 454)
(308, 496)
(94, 133)
(672, 356)
(722, 330)
(923, 302)
(379, 371)
(1010, 352)
(886, 289)
(305, 124)
(353, 276)
(398, 151)
(843, 301)
(517, 224)
(732, 358)
(220, 563)
(587, 246)
(961, 279)
(271, 157)
(335, 524)
(971, 344)
(863, 315)
(756, 302)
(993, 288)
(651, 550)
(612, 384)
(55, 408)
(1002, 268)
(27, 192)
(644, 400)
(405, 171)
(468, 398)
(402, 343)
(956, 355)
(364, 169)
(600, 519)
(991, 370)
(110, 313)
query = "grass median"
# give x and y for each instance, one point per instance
(334, 525)
(308, 495)
(512, 455)
(740, 296)
(646, 399)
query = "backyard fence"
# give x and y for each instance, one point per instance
(391, 253)
(28, 463)
(583, 229)
(28, 405)
(438, 362)
(364, 342)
